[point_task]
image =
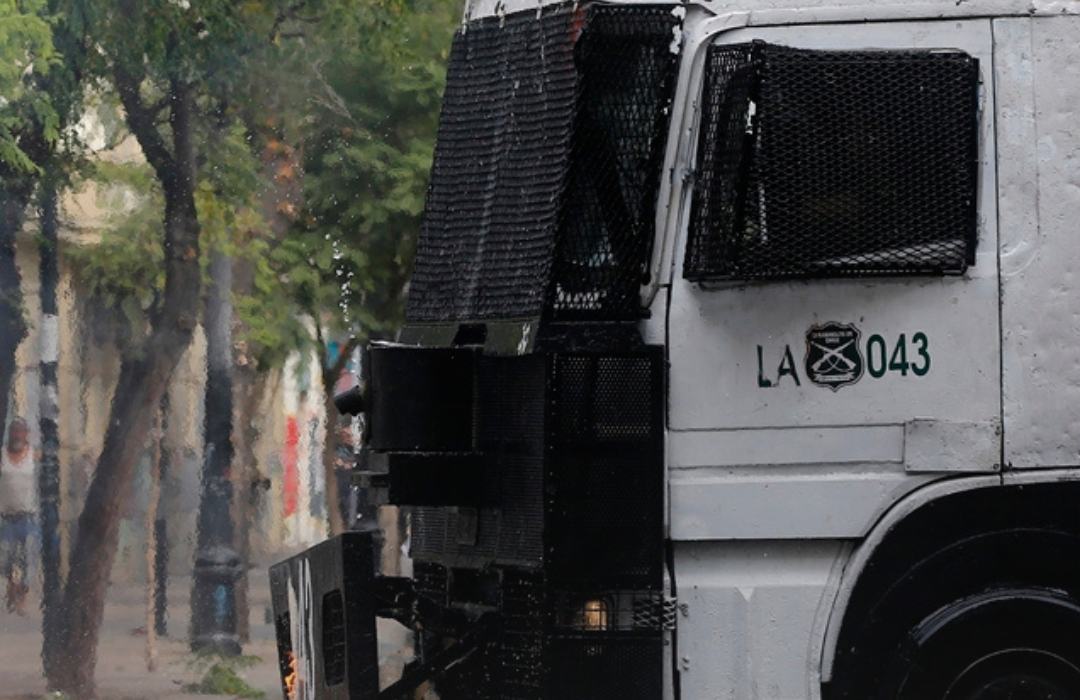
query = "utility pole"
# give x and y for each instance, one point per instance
(12, 323)
(217, 563)
(49, 409)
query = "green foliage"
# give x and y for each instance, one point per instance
(366, 127)
(361, 112)
(203, 41)
(358, 97)
(26, 51)
(56, 695)
(230, 168)
(123, 269)
(220, 675)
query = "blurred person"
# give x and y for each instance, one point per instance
(18, 514)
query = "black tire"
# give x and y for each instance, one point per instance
(1004, 644)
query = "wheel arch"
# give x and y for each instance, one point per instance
(945, 541)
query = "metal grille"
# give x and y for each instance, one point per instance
(500, 163)
(522, 650)
(333, 638)
(606, 666)
(431, 581)
(656, 613)
(623, 610)
(549, 145)
(510, 428)
(829, 163)
(627, 69)
(606, 528)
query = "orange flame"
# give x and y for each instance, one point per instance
(290, 680)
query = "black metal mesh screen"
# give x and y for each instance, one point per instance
(606, 528)
(627, 69)
(510, 430)
(574, 450)
(825, 163)
(523, 641)
(500, 162)
(606, 666)
(549, 140)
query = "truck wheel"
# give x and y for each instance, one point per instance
(1016, 644)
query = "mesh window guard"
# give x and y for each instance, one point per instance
(627, 68)
(500, 162)
(544, 179)
(834, 163)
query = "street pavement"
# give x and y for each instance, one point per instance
(122, 668)
(123, 671)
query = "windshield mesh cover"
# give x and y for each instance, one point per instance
(542, 189)
(831, 163)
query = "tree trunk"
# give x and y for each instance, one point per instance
(329, 459)
(144, 376)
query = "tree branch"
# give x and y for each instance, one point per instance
(284, 16)
(142, 121)
(159, 106)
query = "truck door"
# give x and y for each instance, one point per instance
(834, 318)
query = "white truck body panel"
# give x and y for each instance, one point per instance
(1038, 73)
(750, 615)
(755, 448)
(753, 456)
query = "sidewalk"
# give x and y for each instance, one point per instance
(122, 652)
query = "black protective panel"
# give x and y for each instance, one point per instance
(510, 429)
(606, 476)
(605, 666)
(500, 163)
(834, 163)
(421, 399)
(543, 189)
(573, 446)
(436, 479)
(325, 620)
(627, 69)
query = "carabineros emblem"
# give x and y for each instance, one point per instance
(834, 355)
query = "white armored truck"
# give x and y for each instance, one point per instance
(742, 361)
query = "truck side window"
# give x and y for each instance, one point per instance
(834, 163)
